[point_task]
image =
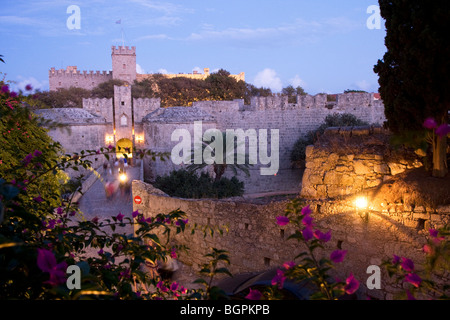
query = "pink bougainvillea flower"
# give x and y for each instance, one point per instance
(95, 220)
(125, 274)
(142, 220)
(110, 147)
(351, 284)
(323, 237)
(178, 223)
(443, 130)
(173, 253)
(160, 285)
(435, 236)
(37, 153)
(174, 286)
(13, 94)
(100, 252)
(135, 214)
(282, 221)
(279, 279)
(338, 256)
(5, 89)
(427, 249)
(430, 124)
(120, 216)
(38, 199)
(307, 220)
(307, 233)
(27, 159)
(414, 279)
(434, 233)
(289, 264)
(410, 296)
(395, 259)
(59, 210)
(306, 210)
(407, 264)
(46, 261)
(254, 295)
(28, 87)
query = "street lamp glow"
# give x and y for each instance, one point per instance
(123, 177)
(361, 202)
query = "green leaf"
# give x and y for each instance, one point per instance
(201, 281)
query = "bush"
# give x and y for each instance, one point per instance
(298, 155)
(185, 184)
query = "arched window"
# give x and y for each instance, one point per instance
(123, 121)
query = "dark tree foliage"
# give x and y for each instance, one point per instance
(62, 98)
(414, 75)
(292, 93)
(224, 87)
(106, 89)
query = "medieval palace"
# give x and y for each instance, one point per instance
(123, 68)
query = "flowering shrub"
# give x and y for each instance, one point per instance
(307, 267)
(310, 267)
(421, 284)
(40, 234)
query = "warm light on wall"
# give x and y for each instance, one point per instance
(109, 139)
(140, 139)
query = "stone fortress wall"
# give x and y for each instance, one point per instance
(147, 125)
(293, 120)
(155, 125)
(71, 77)
(256, 243)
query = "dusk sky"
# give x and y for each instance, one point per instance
(323, 45)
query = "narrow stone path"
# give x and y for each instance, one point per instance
(94, 202)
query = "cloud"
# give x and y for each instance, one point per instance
(152, 37)
(364, 85)
(157, 13)
(298, 82)
(139, 69)
(35, 84)
(166, 7)
(268, 78)
(163, 71)
(296, 32)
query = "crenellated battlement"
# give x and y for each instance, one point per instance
(71, 77)
(75, 72)
(340, 101)
(121, 50)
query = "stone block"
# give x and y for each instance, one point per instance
(346, 179)
(381, 168)
(374, 183)
(309, 151)
(322, 191)
(331, 178)
(361, 168)
(315, 179)
(396, 168)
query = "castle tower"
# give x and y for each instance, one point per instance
(123, 117)
(124, 63)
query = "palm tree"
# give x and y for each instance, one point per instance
(220, 168)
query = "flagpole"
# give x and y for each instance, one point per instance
(123, 42)
(121, 28)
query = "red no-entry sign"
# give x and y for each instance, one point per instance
(137, 200)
